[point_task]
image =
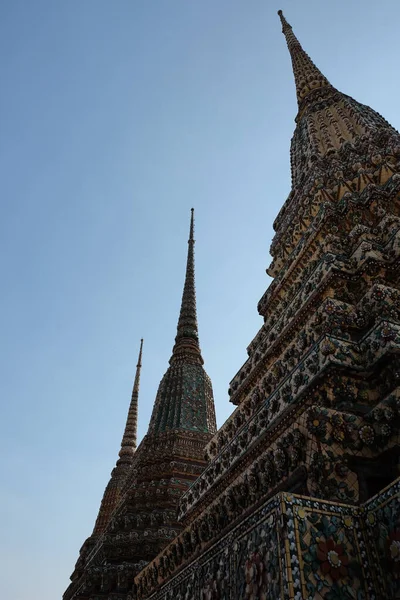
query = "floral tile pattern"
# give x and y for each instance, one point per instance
(325, 550)
(300, 548)
(382, 521)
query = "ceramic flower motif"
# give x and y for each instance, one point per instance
(333, 559)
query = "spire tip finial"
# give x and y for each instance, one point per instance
(285, 24)
(307, 76)
(186, 340)
(139, 363)
(191, 234)
(129, 439)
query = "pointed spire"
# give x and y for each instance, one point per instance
(307, 76)
(187, 338)
(129, 439)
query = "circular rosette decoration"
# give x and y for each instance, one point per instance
(333, 559)
(367, 435)
(317, 422)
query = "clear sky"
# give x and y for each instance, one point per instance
(116, 117)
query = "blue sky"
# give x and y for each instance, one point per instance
(117, 118)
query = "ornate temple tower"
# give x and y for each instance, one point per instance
(300, 499)
(119, 475)
(116, 486)
(123, 468)
(138, 514)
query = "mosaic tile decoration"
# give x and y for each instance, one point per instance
(300, 548)
(382, 526)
